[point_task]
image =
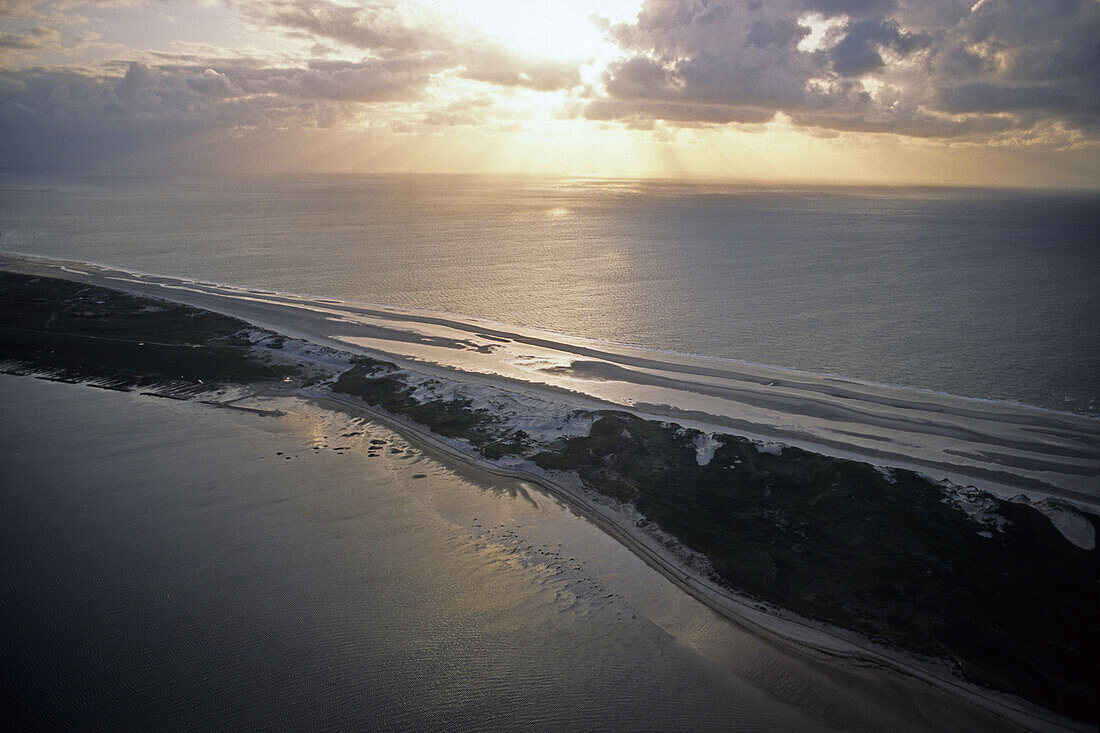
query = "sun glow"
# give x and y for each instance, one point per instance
(563, 29)
(600, 88)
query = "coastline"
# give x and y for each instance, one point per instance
(332, 590)
(788, 628)
(783, 627)
(1004, 448)
(65, 268)
(491, 526)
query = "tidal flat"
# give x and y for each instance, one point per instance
(886, 553)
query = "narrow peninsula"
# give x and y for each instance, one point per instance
(1001, 592)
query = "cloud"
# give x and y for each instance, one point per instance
(850, 8)
(859, 52)
(449, 119)
(66, 117)
(18, 8)
(14, 41)
(213, 84)
(85, 116)
(1012, 56)
(491, 62)
(41, 8)
(921, 68)
(34, 39)
(1004, 71)
(641, 115)
(385, 28)
(369, 81)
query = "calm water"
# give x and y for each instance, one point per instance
(174, 566)
(979, 293)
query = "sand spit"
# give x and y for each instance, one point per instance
(1004, 448)
(289, 315)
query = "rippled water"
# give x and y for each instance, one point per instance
(981, 293)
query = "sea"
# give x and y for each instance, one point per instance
(992, 294)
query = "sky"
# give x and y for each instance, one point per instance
(992, 92)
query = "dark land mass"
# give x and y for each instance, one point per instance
(77, 332)
(1011, 603)
(884, 555)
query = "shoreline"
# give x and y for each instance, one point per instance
(773, 624)
(1002, 447)
(10, 258)
(767, 619)
(786, 629)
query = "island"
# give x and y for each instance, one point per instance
(897, 568)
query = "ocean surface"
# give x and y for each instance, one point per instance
(175, 566)
(981, 293)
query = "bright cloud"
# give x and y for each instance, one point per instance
(92, 83)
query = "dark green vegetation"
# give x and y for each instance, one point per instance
(82, 332)
(833, 539)
(376, 383)
(881, 554)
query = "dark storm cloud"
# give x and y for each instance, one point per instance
(923, 68)
(859, 52)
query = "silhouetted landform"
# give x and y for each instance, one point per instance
(957, 574)
(75, 332)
